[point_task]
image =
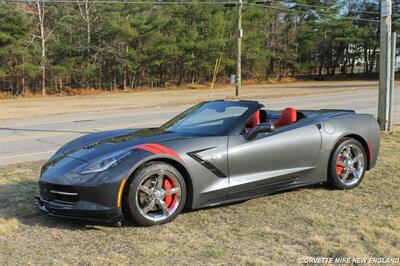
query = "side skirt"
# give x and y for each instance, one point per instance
(259, 192)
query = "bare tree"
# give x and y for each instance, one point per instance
(42, 37)
(87, 16)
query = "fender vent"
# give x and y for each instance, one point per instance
(206, 163)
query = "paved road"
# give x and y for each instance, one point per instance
(38, 139)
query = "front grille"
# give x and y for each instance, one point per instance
(52, 192)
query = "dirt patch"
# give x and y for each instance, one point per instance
(276, 229)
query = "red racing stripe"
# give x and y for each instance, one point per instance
(164, 149)
(157, 149)
(149, 149)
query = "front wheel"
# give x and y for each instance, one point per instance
(157, 194)
(347, 164)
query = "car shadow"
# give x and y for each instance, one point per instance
(17, 201)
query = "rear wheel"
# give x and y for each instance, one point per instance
(157, 194)
(347, 165)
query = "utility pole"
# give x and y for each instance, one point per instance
(384, 63)
(239, 50)
(392, 80)
(395, 29)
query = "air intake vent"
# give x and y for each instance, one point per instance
(52, 192)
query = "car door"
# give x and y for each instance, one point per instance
(272, 158)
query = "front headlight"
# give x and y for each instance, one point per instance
(105, 162)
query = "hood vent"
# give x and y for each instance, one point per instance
(91, 146)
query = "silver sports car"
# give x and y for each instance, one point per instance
(213, 153)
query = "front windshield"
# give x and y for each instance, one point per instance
(210, 118)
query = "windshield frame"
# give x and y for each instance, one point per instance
(252, 106)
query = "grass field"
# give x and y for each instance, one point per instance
(277, 229)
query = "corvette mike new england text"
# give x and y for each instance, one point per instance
(348, 260)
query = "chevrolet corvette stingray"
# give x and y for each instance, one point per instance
(214, 153)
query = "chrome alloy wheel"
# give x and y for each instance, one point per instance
(158, 195)
(350, 164)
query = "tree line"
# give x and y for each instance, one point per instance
(84, 44)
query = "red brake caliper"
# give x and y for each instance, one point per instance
(339, 166)
(170, 200)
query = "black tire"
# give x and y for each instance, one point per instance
(132, 201)
(334, 180)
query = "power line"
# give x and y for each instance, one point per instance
(312, 11)
(314, 6)
(122, 2)
(195, 2)
(180, 2)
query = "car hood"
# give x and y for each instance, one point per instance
(90, 147)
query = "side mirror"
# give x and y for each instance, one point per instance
(261, 128)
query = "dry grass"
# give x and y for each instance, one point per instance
(82, 91)
(277, 229)
(3, 95)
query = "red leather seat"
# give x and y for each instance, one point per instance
(288, 116)
(253, 121)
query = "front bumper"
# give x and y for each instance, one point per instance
(89, 212)
(91, 198)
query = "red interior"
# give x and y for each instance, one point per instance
(253, 121)
(288, 116)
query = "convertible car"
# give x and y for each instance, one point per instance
(214, 153)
